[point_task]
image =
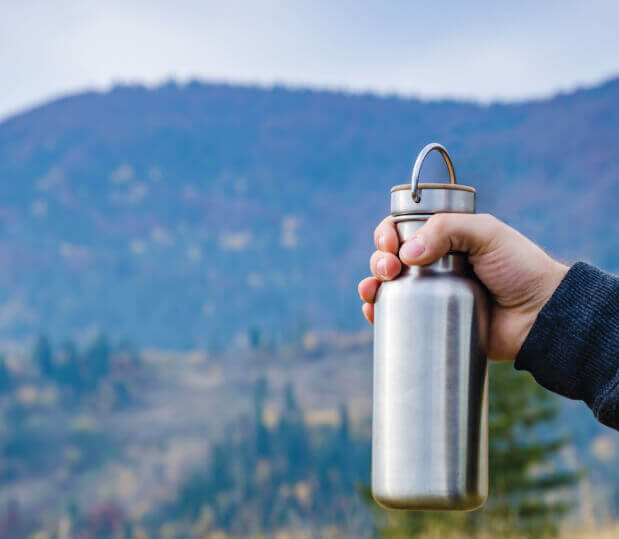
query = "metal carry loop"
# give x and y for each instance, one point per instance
(419, 162)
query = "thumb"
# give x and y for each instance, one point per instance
(461, 232)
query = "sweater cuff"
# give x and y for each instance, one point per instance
(569, 347)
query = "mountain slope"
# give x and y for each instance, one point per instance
(186, 215)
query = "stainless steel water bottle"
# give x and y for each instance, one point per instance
(429, 430)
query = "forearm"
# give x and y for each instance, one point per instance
(572, 348)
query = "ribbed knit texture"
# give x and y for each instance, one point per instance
(573, 346)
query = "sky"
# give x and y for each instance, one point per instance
(483, 51)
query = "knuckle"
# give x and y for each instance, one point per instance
(374, 259)
(440, 220)
(395, 262)
(377, 232)
(489, 221)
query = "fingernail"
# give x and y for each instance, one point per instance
(412, 249)
(381, 242)
(381, 267)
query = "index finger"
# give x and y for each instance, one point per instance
(386, 236)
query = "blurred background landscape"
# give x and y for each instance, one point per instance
(182, 352)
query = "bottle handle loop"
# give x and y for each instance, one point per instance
(419, 162)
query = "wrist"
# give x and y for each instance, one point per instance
(553, 276)
(552, 279)
(556, 275)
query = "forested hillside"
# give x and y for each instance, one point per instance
(206, 215)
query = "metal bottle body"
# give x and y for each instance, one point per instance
(430, 433)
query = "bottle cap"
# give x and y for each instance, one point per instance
(427, 198)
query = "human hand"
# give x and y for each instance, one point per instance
(519, 275)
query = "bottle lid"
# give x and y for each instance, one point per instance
(426, 198)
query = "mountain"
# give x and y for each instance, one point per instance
(205, 214)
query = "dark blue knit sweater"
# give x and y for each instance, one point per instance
(573, 346)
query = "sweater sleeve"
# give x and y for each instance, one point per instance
(573, 346)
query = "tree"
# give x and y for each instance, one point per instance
(293, 434)
(526, 479)
(42, 356)
(527, 483)
(255, 337)
(306, 476)
(343, 448)
(261, 432)
(5, 376)
(67, 372)
(97, 361)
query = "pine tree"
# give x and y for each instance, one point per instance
(293, 435)
(527, 485)
(5, 376)
(68, 373)
(342, 453)
(97, 361)
(255, 337)
(261, 432)
(42, 356)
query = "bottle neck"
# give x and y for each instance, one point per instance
(454, 262)
(407, 228)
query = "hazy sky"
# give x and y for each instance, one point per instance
(484, 50)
